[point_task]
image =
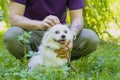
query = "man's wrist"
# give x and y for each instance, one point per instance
(76, 29)
(38, 24)
(76, 26)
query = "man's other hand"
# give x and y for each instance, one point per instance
(65, 51)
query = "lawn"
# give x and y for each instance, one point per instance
(103, 64)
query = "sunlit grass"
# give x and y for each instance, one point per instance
(103, 64)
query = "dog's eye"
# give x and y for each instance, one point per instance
(65, 31)
(57, 32)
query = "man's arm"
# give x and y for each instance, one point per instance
(77, 20)
(17, 19)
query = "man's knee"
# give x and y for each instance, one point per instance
(13, 32)
(11, 41)
(90, 37)
(85, 43)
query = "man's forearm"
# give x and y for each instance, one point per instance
(77, 20)
(23, 22)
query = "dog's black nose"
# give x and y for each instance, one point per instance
(63, 36)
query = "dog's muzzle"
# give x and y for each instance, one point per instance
(63, 36)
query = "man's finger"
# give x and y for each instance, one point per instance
(62, 56)
(46, 25)
(61, 52)
(54, 19)
(50, 22)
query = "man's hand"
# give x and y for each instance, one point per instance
(49, 21)
(65, 51)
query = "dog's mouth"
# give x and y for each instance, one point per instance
(62, 41)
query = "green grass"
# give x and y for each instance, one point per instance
(103, 64)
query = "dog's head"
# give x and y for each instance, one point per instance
(60, 33)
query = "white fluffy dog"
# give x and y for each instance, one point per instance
(56, 37)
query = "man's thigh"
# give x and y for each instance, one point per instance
(15, 46)
(35, 39)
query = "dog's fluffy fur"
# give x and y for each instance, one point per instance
(53, 39)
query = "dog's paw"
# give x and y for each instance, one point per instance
(53, 45)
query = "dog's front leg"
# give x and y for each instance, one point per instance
(53, 45)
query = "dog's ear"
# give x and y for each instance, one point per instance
(46, 35)
(73, 34)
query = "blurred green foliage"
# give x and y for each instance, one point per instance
(98, 14)
(4, 11)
